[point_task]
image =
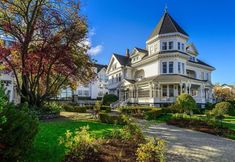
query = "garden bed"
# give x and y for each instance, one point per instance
(110, 151)
(210, 127)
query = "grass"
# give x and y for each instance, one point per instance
(46, 146)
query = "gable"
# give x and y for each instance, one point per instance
(112, 62)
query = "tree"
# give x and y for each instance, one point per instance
(49, 50)
(224, 93)
(186, 103)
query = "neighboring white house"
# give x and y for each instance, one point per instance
(167, 67)
(94, 90)
(7, 79)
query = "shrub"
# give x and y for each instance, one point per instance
(223, 108)
(79, 145)
(74, 108)
(108, 99)
(68, 107)
(185, 103)
(129, 132)
(135, 110)
(111, 119)
(153, 114)
(209, 106)
(18, 132)
(105, 108)
(154, 150)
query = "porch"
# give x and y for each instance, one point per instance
(155, 92)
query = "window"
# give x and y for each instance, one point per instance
(119, 77)
(182, 46)
(170, 45)
(164, 45)
(112, 79)
(183, 68)
(171, 67)
(191, 58)
(202, 76)
(86, 93)
(164, 91)
(116, 78)
(179, 67)
(171, 90)
(178, 45)
(207, 76)
(79, 92)
(164, 67)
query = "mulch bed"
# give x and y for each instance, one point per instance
(116, 150)
(112, 150)
(202, 126)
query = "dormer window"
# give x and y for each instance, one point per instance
(164, 45)
(170, 45)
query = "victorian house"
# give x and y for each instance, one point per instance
(167, 67)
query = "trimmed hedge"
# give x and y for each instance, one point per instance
(153, 114)
(111, 119)
(135, 110)
(71, 108)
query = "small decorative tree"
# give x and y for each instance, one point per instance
(220, 110)
(186, 103)
(108, 99)
(97, 108)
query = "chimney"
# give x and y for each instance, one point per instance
(127, 53)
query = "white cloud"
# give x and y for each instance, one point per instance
(95, 50)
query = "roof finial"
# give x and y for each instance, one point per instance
(166, 8)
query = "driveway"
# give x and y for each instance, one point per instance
(184, 145)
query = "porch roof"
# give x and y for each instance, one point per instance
(170, 78)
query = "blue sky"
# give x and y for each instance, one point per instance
(119, 24)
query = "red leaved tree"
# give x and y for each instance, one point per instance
(49, 51)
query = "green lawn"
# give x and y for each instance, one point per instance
(46, 147)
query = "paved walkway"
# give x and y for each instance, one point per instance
(186, 145)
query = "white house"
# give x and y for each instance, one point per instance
(92, 91)
(167, 67)
(7, 79)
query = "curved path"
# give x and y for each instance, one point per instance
(184, 145)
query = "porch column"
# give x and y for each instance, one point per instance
(154, 90)
(181, 88)
(150, 90)
(189, 88)
(159, 91)
(136, 91)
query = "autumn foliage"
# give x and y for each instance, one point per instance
(48, 51)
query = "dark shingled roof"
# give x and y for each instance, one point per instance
(100, 66)
(201, 63)
(141, 50)
(123, 60)
(167, 25)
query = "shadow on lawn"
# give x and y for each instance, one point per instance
(46, 146)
